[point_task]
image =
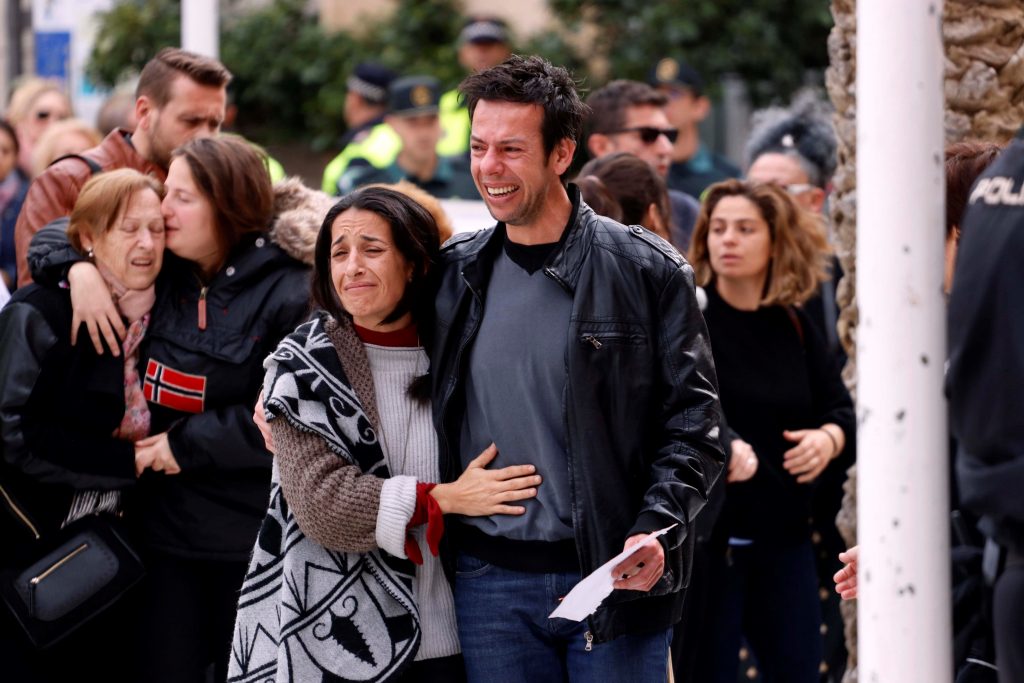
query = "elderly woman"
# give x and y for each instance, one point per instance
(71, 419)
(759, 256)
(332, 581)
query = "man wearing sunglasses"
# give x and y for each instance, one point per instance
(629, 116)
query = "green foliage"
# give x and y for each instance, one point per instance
(553, 46)
(769, 43)
(282, 61)
(129, 34)
(418, 38)
(290, 74)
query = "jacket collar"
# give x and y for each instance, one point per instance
(564, 264)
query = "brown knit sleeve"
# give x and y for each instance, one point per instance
(334, 503)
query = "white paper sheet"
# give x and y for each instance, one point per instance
(587, 595)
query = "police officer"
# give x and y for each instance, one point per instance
(414, 117)
(694, 166)
(483, 43)
(368, 141)
(985, 383)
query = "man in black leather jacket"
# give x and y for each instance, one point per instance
(576, 344)
(985, 383)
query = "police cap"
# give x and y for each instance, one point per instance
(675, 73)
(414, 95)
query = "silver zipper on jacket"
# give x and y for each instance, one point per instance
(550, 272)
(589, 637)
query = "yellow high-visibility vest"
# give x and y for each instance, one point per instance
(380, 147)
(454, 123)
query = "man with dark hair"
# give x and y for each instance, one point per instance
(629, 116)
(574, 343)
(180, 96)
(694, 166)
(413, 116)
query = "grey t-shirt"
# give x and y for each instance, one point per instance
(515, 389)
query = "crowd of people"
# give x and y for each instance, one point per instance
(343, 444)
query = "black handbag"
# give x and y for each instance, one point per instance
(73, 575)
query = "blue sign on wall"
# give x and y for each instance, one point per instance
(53, 54)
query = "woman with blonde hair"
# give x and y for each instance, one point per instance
(35, 104)
(760, 256)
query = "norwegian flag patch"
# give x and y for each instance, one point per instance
(174, 389)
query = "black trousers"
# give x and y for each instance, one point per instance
(187, 618)
(766, 593)
(691, 637)
(1008, 621)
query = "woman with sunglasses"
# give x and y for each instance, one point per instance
(34, 105)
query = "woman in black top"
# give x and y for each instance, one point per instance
(760, 256)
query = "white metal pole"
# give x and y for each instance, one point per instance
(904, 631)
(200, 27)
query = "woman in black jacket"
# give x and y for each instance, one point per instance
(760, 256)
(70, 418)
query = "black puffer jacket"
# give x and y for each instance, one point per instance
(985, 381)
(202, 385)
(641, 406)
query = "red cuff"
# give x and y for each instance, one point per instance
(426, 511)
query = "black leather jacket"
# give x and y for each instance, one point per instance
(641, 403)
(59, 408)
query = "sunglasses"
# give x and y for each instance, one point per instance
(44, 115)
(798, 188)
(649, 134)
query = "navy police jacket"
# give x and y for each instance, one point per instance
(985, 381)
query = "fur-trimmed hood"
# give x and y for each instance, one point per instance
(298, 213)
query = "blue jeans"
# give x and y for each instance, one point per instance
(507, 637)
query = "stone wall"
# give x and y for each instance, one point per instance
(984, 88)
